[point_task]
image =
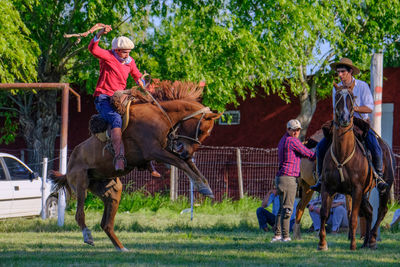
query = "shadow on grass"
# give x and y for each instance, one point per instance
(38, 225)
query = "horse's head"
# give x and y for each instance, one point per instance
(192, 131)
(344, 105)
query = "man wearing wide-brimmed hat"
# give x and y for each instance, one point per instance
(364, 104)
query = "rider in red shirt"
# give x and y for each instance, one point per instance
(115, 67)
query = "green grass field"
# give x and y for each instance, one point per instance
(220, 234)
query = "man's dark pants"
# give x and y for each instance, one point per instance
(265, 217)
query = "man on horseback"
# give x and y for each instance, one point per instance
(364, 104)
(115, 67)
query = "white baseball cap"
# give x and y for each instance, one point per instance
(122, 42)
(293, 124)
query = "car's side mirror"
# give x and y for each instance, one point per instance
(34, 175)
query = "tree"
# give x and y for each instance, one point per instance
(18, 53)
(200, 42)
(237, 46)
(61, 59)
(18, 61)
(294, 32)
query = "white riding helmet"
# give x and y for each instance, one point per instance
(122, 42)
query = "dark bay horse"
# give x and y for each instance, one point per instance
(346, 170)
(307, 179)
(168, 132)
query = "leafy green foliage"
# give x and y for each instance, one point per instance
(194, 45)
(9, 129)
(143, 201)
(18, 52)
(239, 47)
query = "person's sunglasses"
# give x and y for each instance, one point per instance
(295, 130)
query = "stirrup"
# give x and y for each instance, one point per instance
(119, 157)
(381, 185)
(317, 186)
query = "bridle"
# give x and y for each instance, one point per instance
(173, 132)
(339, 165)
(173, 136)
(343, 94)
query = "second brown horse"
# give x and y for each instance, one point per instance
(347, 170)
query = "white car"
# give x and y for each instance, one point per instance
(21, 190)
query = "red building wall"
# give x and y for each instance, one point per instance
(262, 119)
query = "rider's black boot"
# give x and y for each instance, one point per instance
(317, 186)
(381, 185)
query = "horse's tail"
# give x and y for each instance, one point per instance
(59, 181)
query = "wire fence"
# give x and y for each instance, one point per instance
(220, 166)
(396, 184)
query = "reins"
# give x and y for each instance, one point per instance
(203, 112)
(339, 166)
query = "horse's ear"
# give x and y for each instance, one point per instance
(212, 116)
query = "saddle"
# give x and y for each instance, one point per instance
(121, 100)
(360, 130)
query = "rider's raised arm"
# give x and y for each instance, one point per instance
(99, 52)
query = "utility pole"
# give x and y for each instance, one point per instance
(376, 87)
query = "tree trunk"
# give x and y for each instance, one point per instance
(308, 104)
(40, 127)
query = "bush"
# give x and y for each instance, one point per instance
(142, 200)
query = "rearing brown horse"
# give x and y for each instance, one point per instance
(346, 170)
(168, 132)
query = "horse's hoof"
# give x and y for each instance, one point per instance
(372, 246)
(87, 236)
(323, 248)
(123, 249)
(206, 192)
(296, 231)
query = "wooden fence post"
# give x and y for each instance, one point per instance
(240, 177)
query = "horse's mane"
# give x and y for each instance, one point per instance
(168, 90)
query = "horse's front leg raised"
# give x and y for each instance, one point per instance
(324, 214)
(198, 180)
